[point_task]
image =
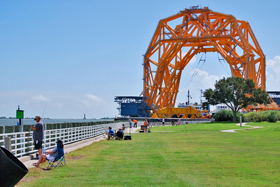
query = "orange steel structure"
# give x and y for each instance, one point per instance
(192, 31)
(169, 111)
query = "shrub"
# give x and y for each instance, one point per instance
(249, 116)
(272, 117)
(257, 118)
(227, 115)
(238, 116)
(264, 115)
(278, 114)
(222, 115)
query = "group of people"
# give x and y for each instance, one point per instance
(38, 136)
(119, 135)
(130, 123)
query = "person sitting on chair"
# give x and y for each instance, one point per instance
(119, 134)
(50, 155)
(110, 133)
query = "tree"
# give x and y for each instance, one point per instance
(236, 93)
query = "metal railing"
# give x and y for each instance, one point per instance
(22, 142)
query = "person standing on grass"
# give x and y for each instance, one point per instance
(130, 122)
(145, 125)
(38, 134)
(146, 122)
(135, 123)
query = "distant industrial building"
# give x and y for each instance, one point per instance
(275, 96)
(132, 106)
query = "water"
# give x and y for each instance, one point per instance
(13, 122)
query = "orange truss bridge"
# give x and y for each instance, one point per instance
(192, 31)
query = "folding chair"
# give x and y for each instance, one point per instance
(112, 136)
(60, 159)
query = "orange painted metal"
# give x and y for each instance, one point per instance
(180, 37)
(170, 111)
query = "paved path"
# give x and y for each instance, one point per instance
(28, 161)
(243, 124)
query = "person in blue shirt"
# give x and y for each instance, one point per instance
(49, 155)
(111, 132)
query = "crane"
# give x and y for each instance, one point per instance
(178, 38)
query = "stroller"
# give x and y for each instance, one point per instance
(119, 134)
(60, 158)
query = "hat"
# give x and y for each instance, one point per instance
(37, 117)
(59, 141)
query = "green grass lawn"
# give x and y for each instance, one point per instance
(195, 155)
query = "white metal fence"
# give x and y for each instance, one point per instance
(22, 142)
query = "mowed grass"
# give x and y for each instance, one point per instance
(191, 155)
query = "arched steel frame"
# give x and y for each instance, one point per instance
(179, 37)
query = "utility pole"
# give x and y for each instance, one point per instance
(201, 96)
(188, 97)
(19, 118)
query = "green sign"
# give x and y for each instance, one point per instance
(19, 114)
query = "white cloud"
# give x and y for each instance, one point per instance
(273, 74)
(201, 81)
(41, 98)
(84, 103)
(205, 79)
(57, 105)
(93, 97)
(193, 60)
(274, 64)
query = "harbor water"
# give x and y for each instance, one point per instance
(14, 122)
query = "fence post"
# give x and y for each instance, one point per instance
(8, 143)
(240, 121)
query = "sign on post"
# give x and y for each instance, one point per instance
(19, 114)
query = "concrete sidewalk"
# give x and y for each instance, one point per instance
(29, 160)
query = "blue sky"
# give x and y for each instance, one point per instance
(64, 59)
